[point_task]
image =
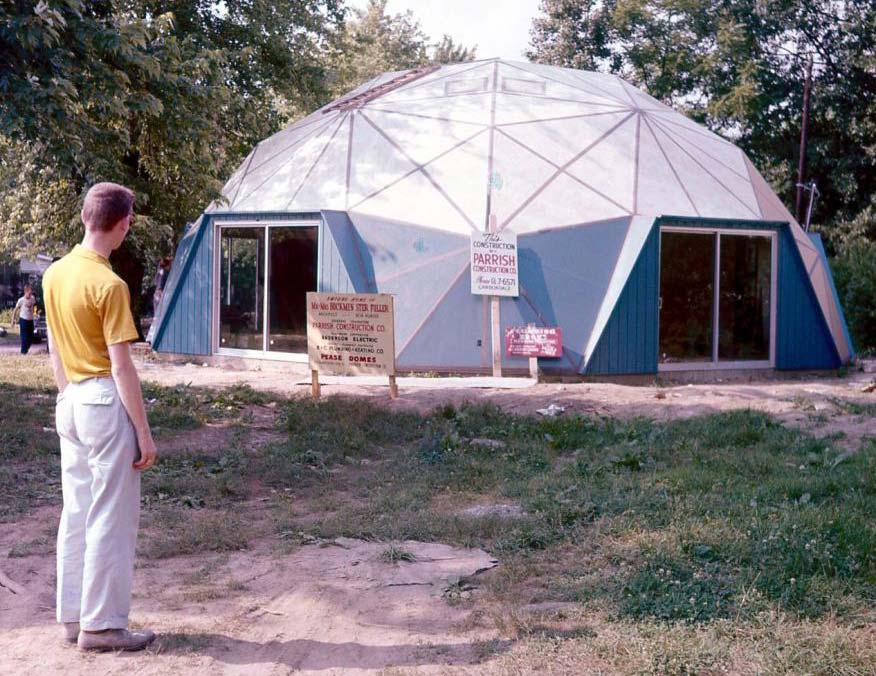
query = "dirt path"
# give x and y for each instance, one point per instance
(339, 608)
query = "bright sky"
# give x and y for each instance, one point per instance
(497, 27)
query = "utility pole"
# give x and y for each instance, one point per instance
(804, 140)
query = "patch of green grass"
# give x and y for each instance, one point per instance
(29, 447)
(32, 371)
(718, 516)
(193, 480)
(41, 546)
(849, 407)
(394, 555)
(183, 407)
(173, 534)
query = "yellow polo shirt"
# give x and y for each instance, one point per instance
(88, 307)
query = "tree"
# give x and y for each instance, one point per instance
(737, 66)
(447, 51)
(374, 42)
(164, 96)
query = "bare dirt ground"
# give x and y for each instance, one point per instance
(340, 607)
(329, 608)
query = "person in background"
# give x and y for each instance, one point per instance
(102, 424)
(25, 309)
(160, 281)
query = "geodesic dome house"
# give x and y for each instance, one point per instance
(651, 242)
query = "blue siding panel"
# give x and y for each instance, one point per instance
(803, 340)
(629, 341)
(183, 326)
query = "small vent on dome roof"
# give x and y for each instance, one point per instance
(516, 85)
(370, 94)
(467, 86)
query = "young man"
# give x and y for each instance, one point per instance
(24, 308)
(102, 425)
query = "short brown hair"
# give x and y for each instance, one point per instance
(105, 205)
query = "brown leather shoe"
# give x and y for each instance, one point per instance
(115, 639)
(71, 631)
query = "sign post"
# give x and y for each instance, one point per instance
(351, 334)
(494, 273)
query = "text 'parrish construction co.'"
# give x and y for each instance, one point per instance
(494, 263)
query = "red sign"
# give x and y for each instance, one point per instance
(534, 341)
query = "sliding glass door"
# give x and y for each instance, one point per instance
(716, 298)
(265, 272)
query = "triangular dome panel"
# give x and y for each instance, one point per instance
(562, 202)
(417, 199)
(375, 163)
(517, 172)
(711, 146)
(733, 177)
(713, 196)
(611, 170)
(423, 139)
(527, 82)
(471, 108)
(659, 188)
(271, 186)
(561, 140)
(324, 186)
(516, 108)
(467, 345)
(457, 171)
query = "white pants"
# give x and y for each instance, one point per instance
(98, 529)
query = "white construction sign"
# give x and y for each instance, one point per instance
(494, 263)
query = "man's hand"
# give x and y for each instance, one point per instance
(128, 386)
(148, 453)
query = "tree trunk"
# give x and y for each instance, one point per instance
(130, 268)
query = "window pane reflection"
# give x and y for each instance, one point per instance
(293, 253)
(744, 304)
(687, 281)
(241, 321)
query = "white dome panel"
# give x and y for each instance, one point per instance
(517, 172)
(659, 191)
(324, 187)
(423, 139)
(563, 201)
(562, 140)
(471, 108)
(375, 163)
(713, 197)
(416, 199)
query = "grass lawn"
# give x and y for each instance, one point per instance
(720, 544)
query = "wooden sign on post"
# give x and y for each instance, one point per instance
(351, 334)
(534, 342)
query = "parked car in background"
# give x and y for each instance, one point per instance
(40, 328)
